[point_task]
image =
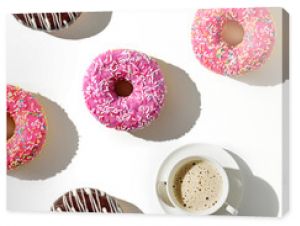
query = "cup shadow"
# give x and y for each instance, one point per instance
(60, 148)
(250, 194)
(181, 109)
(87, 25)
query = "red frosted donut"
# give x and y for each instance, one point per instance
(26, 127)
(124, 89)
(233, 41)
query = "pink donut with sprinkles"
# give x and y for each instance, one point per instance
(124, 89)
(26, 127)
(233, 41)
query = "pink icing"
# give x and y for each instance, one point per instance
(250, 54)
(124, 113)
(31, 127)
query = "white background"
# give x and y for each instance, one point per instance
(243, 115)
(176, 221)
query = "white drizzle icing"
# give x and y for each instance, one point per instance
(32, 19)
(79, 196)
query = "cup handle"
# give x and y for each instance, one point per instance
(230, 209)
(163, 194)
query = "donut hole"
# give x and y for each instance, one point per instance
(232, 33)
(10, 126)
(123, 88)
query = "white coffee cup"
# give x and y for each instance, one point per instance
(166, 191)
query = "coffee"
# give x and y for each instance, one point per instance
(197, 185)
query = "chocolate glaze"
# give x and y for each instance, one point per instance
(47, 21)
(86, 200)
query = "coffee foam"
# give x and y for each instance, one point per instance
(197, 185)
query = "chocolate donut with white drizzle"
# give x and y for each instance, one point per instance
(47, 21)
(86, 200)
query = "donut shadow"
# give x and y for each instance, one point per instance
(87, 25)
(271, 73)
(128, 207)
(252, 195)
(60, 147)
(181, 109)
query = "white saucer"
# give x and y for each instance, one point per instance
(216, 153)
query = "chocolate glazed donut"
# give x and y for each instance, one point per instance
(47, 21)
(86, 200)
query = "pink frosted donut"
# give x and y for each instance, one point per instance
(30, 127)
(124, 89)
(217, 55)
